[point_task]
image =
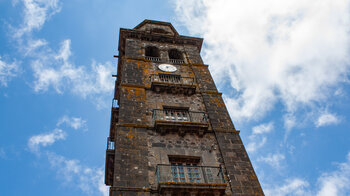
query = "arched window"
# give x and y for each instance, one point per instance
(152, 51)
(175, 54)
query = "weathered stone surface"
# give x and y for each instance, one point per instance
(217, 112)
(140, 148)
(203, 76)
(132, 105)
(131, 148)
(238, 166)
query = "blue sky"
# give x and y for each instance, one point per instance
(283, 68)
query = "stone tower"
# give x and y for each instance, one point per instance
(170, 131)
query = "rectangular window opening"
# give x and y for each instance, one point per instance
(185, 169)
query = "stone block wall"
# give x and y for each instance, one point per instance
(133, 72)
(242, 177)
(136, 48)
(139, 148)
(217, 112)
(203, 76)
(130, 164)
(132, 105)
(161, 146)
(193, 54)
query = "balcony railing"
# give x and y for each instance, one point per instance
(114, 103)
(189, 174)
(172, 79)
(109, 169)
(110, 144)
(179, 116)
(114, 118)
(176, 61)
(156, 59)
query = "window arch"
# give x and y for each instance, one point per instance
(152, 51)
(175, 54)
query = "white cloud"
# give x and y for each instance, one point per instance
(62, 75)
(327, 119)
(89, 180)
(64, 52)
(8, 71)
(45, 139)
(337, 182)
(258, 137)
(333, 183)
(33, 45)
(274, 160)
(36, 13)
(263, 128)
(53, 69)
(255, 143)
(74, 122)
(291, 187)
(271, 52)
(289, 121)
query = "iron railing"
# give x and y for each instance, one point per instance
(172, 79)
(115, 111)
(110, 144)
(179, 116)
(171, 61)
(156, 59)
(114, 103)
(189, 174)
(176, 61)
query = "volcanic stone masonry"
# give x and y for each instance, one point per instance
(170, 131)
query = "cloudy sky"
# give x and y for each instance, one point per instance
(283, 67)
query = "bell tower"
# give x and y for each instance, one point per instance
(170, 131)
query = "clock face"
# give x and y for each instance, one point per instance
(167, 67)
